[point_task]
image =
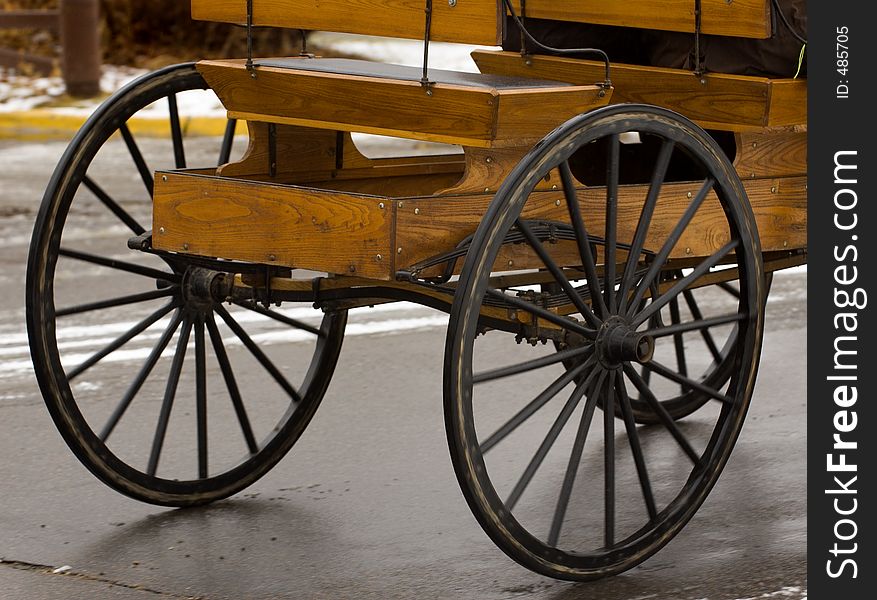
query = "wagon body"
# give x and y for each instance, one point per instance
(585, 208)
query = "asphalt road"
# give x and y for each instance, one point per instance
(366, 505)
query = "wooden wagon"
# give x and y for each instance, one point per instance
(593, 245)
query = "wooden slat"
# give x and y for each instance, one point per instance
(739, 18)
(273, 224)
(716, 101)
(772, 153)
(454, 114)
(467, 21)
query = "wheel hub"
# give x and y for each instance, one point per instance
(202, 287)
(617, 343)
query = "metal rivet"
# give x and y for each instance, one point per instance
(401, 204)
(272, 258)
(785, 244)
(399, 251)
(702, 81)
(688, 194)
(557, 202)
(164, 177)
(773, 190)
(511, 263)
(755, 144)
(487, 189)
(161, 230)
(379, 257)
(428, 92)
(381, 206)
(352, 268)
(688, 251)
(185, 246)
(554, 187)
(488, 159)
(416, 211)
(452, 3)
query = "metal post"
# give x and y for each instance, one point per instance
(81, 58)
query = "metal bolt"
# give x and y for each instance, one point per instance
(702, 81)
(399, 251)
(785, 243)
(773, 190)
(161, 230)
(185, 246)
(554, 187)
(428, 92)
(401, 204)
(688, 194)
(557, 202)
(379, 258)
(529, 62)
(381, 206)
(755, 144)
(688, 251)
(272, 258)
(488, 159)
(511, 263)
(513, 315)
(487, 189)
(452, 3)
(164, 177)
(352, 268)
(416, 211)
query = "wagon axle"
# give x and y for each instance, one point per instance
(617, 343)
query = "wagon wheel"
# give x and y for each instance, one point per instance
(705, 355)
(124, 343)
(549, 483)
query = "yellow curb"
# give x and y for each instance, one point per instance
(43, 125)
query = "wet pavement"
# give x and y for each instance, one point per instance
(366, 505)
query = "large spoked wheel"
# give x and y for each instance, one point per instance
(124, 343)
(555, 488)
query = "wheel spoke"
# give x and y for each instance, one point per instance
(707, 336)
(670, 243)
(678, 342)
(201, 396)
(176, 132)
(609, 466)
(227, 140)
(257, 353)
(138, 382)
(542, 313)
(582, 239)
(114, 302)
(662, 413)
(232, 386)
(532, 365)
(612, 173)
(550, 438)
(281, 318)
(569, 478)
(688, 382)
(170, 392)
(538, 402)
(658, 303)
(645, 219)
(558, 275)
(114, 206)
(137, 156)
(699, 325)
(635, 446)
(120, 265)
(121, 340)
(724, 285)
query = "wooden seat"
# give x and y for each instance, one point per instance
(487, 111)
(715, 100)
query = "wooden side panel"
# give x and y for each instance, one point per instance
(468, 21)
(772, 153)
(716, 101)
(528, 116)
(788, 102)
(426, 227)
(740, 18)
(272, 224)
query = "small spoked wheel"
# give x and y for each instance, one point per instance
(566, 308)
(162, 390)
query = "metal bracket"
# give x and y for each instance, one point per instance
(424, 80)
(251, 67)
